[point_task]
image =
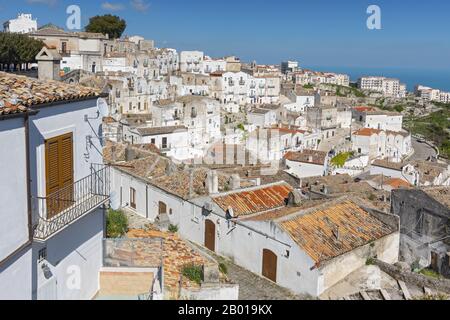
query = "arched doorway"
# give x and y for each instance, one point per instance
(210, 235)
(269, 265)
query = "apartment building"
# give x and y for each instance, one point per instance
(289, 67)
(52, 206)
(430, 94)
(191, 61)
(309, 77)
(387, 86)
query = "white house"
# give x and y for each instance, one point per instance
(262, 118)
(379, 144)
(53, 230)
(307, 163)
(269, 232)
(302, 99)
(24, 23)
(378, 119)
(171, 141)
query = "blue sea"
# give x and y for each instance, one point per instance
(438, 79)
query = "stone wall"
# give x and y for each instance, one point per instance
(441, 285)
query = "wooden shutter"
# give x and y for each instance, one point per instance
(59, 173)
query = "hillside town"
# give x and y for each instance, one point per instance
(145, 173)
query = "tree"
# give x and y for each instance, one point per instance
(108, 24)
(18, 49)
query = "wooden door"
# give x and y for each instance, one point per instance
(210, 235)
(162, 208)
(269, 265)
(59, 174)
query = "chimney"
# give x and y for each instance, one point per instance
(212, 182)
(235, 182)
(113, 154)
(294, 198)
(49, 64)
(129, 154)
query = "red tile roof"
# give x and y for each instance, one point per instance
(329, 231)
(363, 109)
(17, 93)
(255, 201)
(397, 183)
(367, 132)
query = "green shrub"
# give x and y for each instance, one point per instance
(370, 261)
(430, 273)
(340, 159)
(223, 268)
(116, 224)
(193, 273)
(173, 228)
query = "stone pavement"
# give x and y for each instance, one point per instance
(253, 286)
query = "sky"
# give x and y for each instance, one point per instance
(320, 33)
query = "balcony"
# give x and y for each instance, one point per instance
(58, 210)
(64, 53)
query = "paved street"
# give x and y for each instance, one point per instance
(254, 287)
(422, 150)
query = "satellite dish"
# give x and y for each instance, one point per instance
(114, 201)
(103, 107)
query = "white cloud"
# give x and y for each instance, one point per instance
(140, 5)
(112, 6)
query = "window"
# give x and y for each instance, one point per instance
(153, 141)
(64, 47)
(164, 143)
(42, 255)
(59, 171)
(132, 198)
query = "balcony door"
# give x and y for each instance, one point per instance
(59, 174)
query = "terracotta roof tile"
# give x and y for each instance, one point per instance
(19, 92)
(307, 156)
(367, 132)
(254, 201)
(328, 232)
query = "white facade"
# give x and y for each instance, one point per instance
(387, 86)
(24, 23)
(430, 94)
(383, 121)
(15, 271)
(73, 250)
(191, 61)
(390, 145)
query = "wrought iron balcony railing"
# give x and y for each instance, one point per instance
(56, 211)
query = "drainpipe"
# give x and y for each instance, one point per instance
(146, 201)
(27, 151)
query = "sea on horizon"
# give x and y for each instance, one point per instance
(438, 79)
